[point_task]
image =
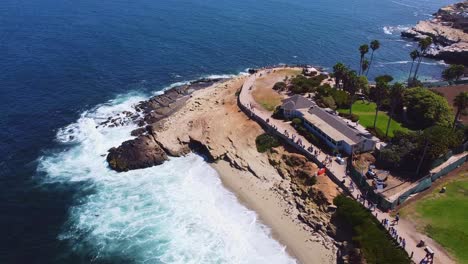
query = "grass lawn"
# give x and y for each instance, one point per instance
(264, 93)
(444, 217)
(366, 112)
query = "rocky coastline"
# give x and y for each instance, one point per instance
(449, 31)
(145, 151)
(203, 117)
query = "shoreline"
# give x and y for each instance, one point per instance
(287, 229)
(212, 119)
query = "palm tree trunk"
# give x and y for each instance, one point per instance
(360, 64)
(351, 106)
(370, 62)
(457, 115)
(389, 120)
(376, 114)
(417, 68)
(411, 69)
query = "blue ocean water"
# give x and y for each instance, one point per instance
(65, 63)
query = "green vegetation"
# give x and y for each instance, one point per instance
(366, 113)
(326, 96)
(301, 84)
(444, 216)
(423, 46)
(461, 103)
(416, 152)
(453, 72)
(265, 142)
(375, 243)
(426, 108)
(279, 86)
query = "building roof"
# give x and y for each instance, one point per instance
(296, 102)
(330, 124)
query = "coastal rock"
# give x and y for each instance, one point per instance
(448, 31)
(138, 153)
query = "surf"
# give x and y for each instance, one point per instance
(178, 212)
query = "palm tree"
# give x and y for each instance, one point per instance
(374, 45)
(423, 46)
(338, 71)
(365, 65)
(414, 55)
(350, 84)
(461, 102)
(363, 49)
(396, 97)
(381, 90)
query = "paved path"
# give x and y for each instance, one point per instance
(404, 229)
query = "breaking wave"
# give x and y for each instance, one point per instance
(389, 30)
(178, 212)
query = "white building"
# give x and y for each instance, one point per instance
(332, 129)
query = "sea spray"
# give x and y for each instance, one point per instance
(178, 212)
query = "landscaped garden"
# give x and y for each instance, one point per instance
(443, 216)
(366, 112)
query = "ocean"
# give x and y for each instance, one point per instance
(65, 65)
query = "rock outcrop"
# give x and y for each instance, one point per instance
(144, 151)
(138, 153)
(449, 32)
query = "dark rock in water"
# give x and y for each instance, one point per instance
(138, 153)
(138, 132)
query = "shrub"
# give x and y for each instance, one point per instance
(375, 243)
(301, 84)
(265, 142)
(296, 121)
(278, 113)
(329, 102)
(279, 86)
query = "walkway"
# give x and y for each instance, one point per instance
(403, 229)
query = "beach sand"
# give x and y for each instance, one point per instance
(211, 117)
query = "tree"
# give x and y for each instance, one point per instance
(424, 44)
(374, 45)
(453, 72)
(363, 50)
(350, 84)
(380, 92)
(461, 103)
(414, 55)
(426, 108)
(365, 65)
(338, 71)
(396, 98)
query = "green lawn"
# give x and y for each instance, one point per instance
(366, 112)
(444, 217)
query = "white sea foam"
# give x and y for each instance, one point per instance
(441, 62)
(178, 212)
(389, 30)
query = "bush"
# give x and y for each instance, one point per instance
(329, 102)
(279, 86)
(352, 117)
(296, 121)
(278, 113)
(375, 243)
(265, 142)
(301, 84)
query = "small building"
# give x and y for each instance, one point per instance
(329, 127)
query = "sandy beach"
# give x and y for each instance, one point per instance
(211, 117)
